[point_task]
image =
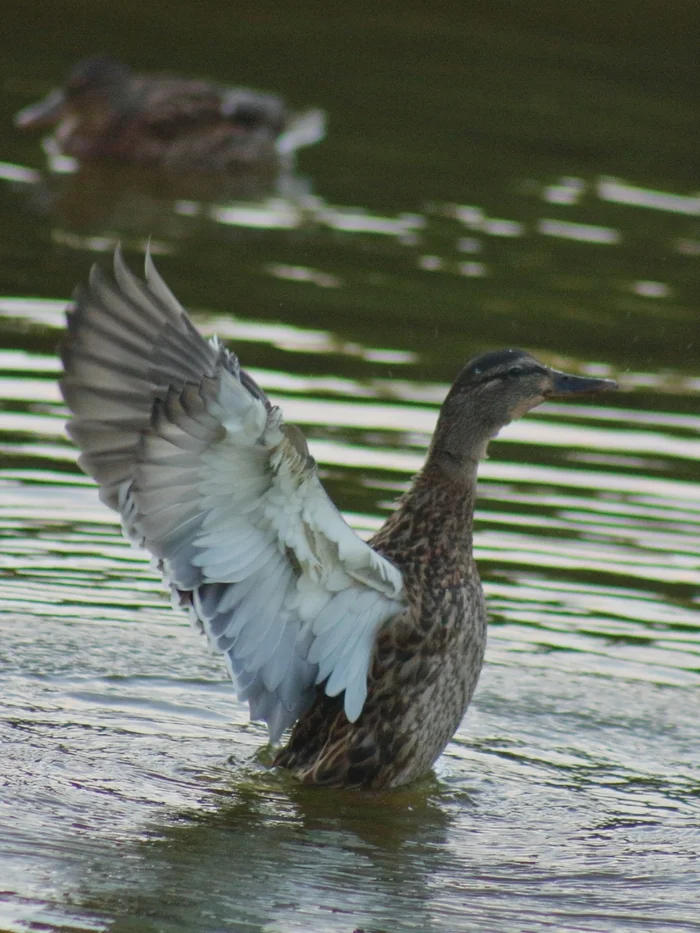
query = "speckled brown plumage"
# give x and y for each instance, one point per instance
(427, 660)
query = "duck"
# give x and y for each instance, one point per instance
(106, 112)
(364, 655)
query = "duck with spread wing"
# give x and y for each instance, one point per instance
(368, 651)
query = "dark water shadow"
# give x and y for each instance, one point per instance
(103, 198)
(273, 851)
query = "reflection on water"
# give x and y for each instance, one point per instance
(117, 728)
(135, 795)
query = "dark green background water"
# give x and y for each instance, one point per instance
(494, 174)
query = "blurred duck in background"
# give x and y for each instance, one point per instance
(104, 111)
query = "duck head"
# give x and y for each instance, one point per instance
(491, 391)
(95, 87)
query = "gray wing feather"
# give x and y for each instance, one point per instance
(187, 447)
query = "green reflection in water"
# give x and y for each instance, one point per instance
(493, 175)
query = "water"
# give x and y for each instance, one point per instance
(516, 182)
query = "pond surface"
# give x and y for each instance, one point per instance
(506, 181)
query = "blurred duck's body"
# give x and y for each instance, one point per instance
(106, 112)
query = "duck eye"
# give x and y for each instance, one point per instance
(515, 371)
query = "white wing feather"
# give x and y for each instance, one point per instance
(207, 477)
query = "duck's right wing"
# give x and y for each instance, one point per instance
(207, 476)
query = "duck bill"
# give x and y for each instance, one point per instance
(565, 385)
(44, 113)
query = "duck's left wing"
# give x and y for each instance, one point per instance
(207, 476)
(176, 107)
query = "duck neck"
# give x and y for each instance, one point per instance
(448, 494)
(434, 521)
